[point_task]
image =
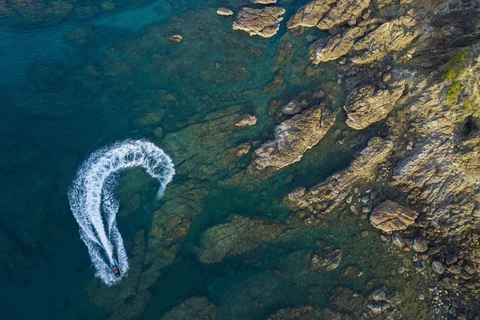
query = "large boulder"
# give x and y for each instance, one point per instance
(259, 22)
(295, 136)
(369, 104)
(391, 216)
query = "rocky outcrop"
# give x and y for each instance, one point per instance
(334, 47)
(341, 12)
(237, 237)
(392, 36)
(369, 104)
(391, 216)
(324, 262)
(259, 22)
(295, 136)
(194, 308)
(310, 14)
(326, 197)
(327, 14)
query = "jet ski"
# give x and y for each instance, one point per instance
(115, 270)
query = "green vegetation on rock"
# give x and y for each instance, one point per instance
(454, 91)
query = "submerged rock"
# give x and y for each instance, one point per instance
(246, 120)
(369, 104)
(391, 216)
(297, 313)
(259, 22)
(237, 237)
(295, 136)
(325, 262)
(198, 308)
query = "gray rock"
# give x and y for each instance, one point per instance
(438, 267)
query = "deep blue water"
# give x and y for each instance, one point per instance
(69, 87)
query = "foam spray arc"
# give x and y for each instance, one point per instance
(95, 208)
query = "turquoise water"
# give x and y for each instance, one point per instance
(70, 87)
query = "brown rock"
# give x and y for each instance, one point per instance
(334, 47)
(391, 216)
(259, 22)
(310, 14)
(247, 120)
(295, 136)
(264, 1)
(342, 11)
(176, 38)
(242, 149)
(394, 36)
(369, 104)
(224, 12)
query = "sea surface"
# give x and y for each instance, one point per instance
(72, 86)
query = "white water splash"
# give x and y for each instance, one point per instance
(94, 205)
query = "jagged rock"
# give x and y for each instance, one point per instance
(295, 136)
(324, 262)
(326, 14)
(224, 12)
(310, 14)
(341, 12)
(391, 216)
(369, 104)
(247, 120)
(297, 313)
(333, 192)
(334, 47)
(259, 22)
(237, 237)
(394, 35)
(198, 308)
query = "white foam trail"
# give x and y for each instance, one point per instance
(94, 205)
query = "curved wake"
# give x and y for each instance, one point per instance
(94, 205)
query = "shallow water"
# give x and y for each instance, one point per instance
(70, 87)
